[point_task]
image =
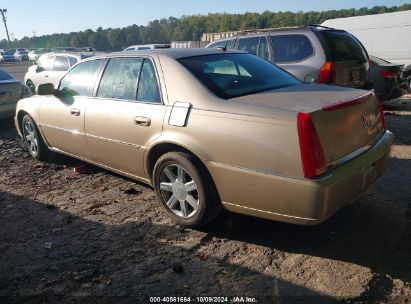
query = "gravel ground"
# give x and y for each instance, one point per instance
(96, 237)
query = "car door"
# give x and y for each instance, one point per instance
(60, 67)
(126, 114)
(62, 116)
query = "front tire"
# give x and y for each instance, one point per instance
(31, 85)
(32, 138)
(185, 189)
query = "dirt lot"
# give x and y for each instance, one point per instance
(96, 237)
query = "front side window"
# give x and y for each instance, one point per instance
(289, 48)
(61, 64)
(249, 45)
(120, 78)
(232, 75)
(81, 79)
(46, 62)
(148, 89)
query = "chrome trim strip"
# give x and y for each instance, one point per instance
(261, 172)
(73, 132)
(273, 213)
(113, 141)
(354, 154)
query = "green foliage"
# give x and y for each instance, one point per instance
(190, 28)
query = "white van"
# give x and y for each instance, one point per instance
(146, 47)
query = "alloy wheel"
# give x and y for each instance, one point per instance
(30, 135)
(179, 191)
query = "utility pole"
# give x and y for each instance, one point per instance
(3, 11)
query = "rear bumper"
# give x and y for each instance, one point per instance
(300, 201)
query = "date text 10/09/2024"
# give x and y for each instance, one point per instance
(203, 300)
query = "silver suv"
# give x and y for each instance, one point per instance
(311, 53)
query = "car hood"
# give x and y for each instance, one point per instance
(301, 98)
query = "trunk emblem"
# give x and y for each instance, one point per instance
(366, 120)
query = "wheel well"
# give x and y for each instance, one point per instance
(20, 116)
(161, 149)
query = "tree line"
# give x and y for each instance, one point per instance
(186, 28)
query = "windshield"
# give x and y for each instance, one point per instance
(234, 75)
(344, 46)
(7, 53)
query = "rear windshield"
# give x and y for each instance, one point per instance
(234, 75)
(4, 75)
(343, 47)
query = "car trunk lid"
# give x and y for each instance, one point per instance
(345, 120)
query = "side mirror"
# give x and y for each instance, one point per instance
(39, 69)
(46, 89)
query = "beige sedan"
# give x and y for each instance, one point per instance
(213, 129)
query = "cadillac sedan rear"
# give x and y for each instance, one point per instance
(214, 129)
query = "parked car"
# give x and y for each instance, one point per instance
(212, 129)
(147, 47)
(386, 78)
(11, 91)
(7, 56)
(21, 55)
(311, 53)
(35, 54)
(50, 68)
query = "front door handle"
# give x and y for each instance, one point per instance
(142, 121)
(75, 112)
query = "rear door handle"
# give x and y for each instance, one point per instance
(142, 121)
(75, 112)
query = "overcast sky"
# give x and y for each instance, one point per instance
(55, 16)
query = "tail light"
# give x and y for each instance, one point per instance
(312, 156)
(380, 109)
(327, 73)
(388, 74)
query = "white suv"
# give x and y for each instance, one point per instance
(50, 68)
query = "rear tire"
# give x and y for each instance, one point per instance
(185, 189)
(32, 138)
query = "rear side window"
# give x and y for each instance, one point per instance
(343, 46)
(249, 45)
(289, 48)
(61, 64)
(120, 78)
(147, 86)
(81, 79)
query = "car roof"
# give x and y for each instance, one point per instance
(171, 52)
